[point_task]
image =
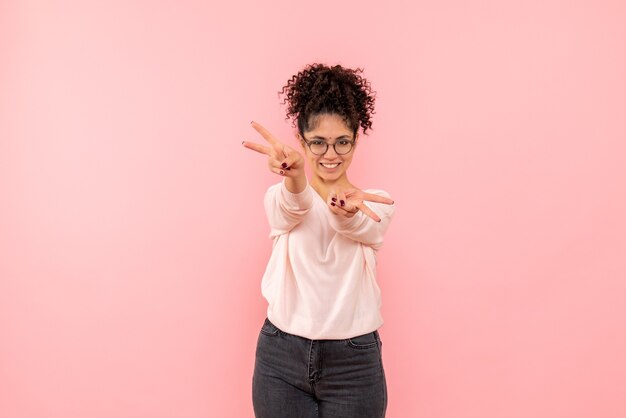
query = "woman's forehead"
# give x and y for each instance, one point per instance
(329, 126)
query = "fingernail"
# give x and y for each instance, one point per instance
(282, 172)
(288, 168)
(243, 142)
(334, 199)
(332, 203)
(342, 202)
(251, 121)
(284, 165)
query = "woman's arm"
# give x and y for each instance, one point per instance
(286, 202)
(359, 223)
(285, 209)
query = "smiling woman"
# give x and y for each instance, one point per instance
(319, 353)
(329, 160)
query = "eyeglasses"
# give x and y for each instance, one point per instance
(317, 147)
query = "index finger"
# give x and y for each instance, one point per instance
(366, 210)
(376, 198)
(257, 147)
(264, 133)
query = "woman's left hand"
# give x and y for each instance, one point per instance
(348, 202)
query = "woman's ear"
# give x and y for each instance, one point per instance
(300, 139)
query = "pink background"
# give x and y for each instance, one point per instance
(132, 231)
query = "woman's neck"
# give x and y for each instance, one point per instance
(323, 187)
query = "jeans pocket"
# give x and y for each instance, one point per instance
(363, 342)
(268, 328)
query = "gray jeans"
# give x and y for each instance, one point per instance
(295, 377)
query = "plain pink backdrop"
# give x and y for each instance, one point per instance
(132, 231)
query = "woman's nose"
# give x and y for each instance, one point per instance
(330, 152)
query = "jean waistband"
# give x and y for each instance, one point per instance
(268, 322)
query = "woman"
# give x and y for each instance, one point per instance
(319, 351)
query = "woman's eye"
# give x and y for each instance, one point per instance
(344, 142)
(317, 143)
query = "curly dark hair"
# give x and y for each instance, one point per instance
(320, 89)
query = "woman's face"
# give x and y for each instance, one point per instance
(331, 129)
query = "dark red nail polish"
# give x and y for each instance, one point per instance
(282, 172)
(342, 203)
(332, 203)
(284, 165)
(334, 199)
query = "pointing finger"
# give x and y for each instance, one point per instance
(257, 147)
(264, 132)
(376, 198)
(366, 210)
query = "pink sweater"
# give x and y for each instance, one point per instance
(320, 281)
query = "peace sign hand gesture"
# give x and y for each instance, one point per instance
(282, 159)
(348, 202)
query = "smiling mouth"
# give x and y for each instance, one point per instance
(330, 165)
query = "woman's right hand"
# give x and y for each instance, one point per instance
(282, 159)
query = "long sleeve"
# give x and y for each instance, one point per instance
(361, 227)
(320, 284)
(284, 209)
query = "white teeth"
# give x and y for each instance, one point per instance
(330, 165)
